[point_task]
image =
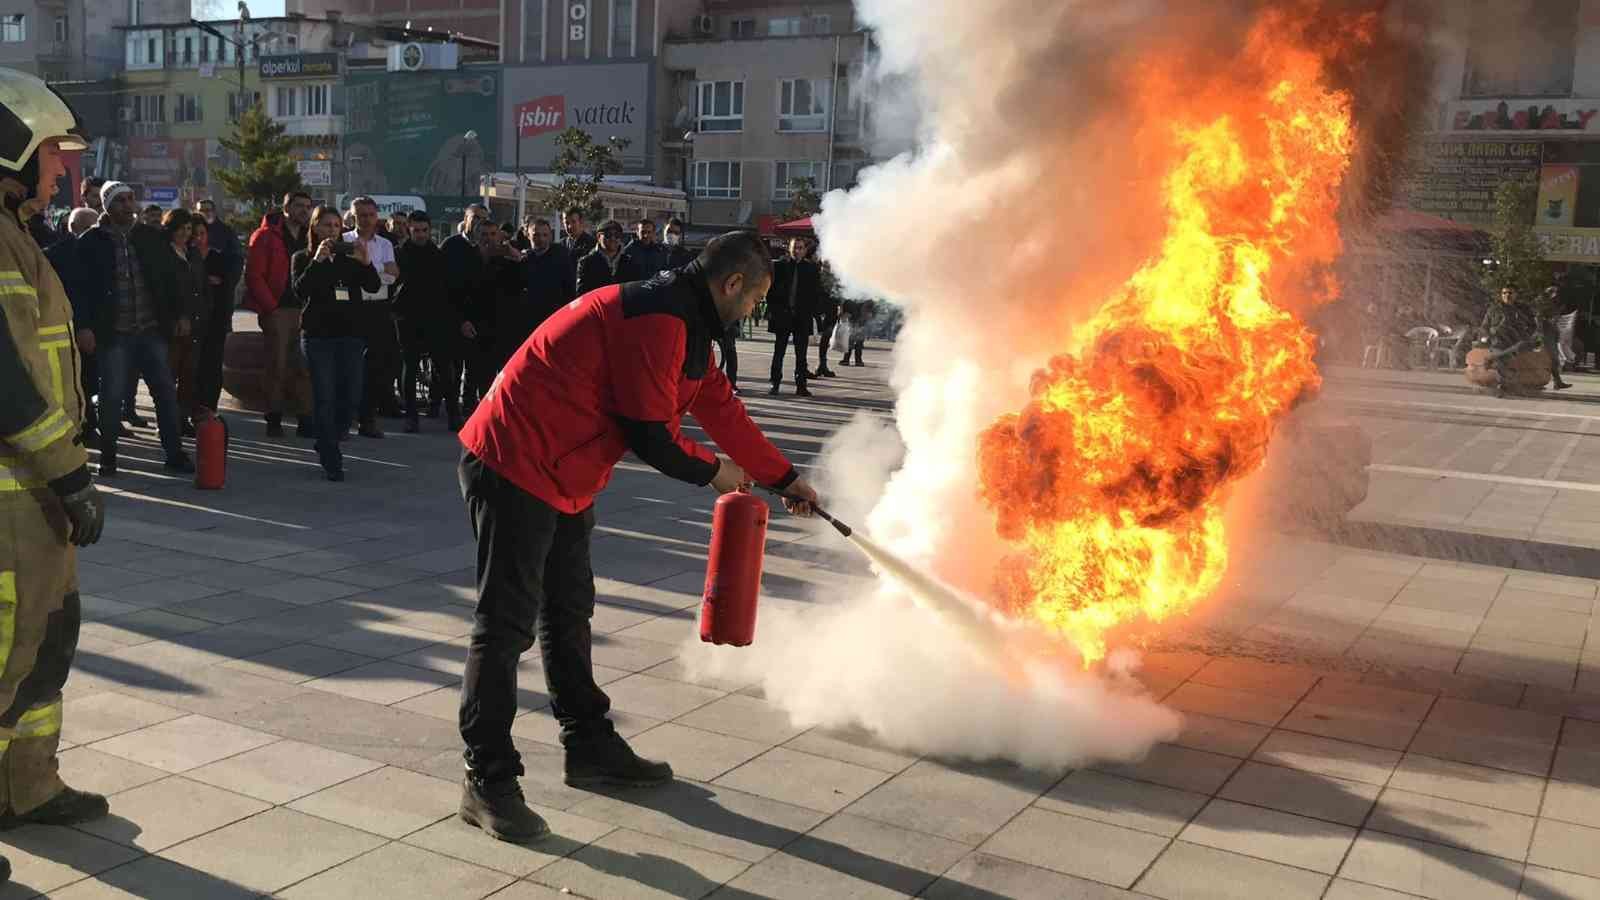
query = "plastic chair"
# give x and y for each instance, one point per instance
(1421, 339)
(1445, 347)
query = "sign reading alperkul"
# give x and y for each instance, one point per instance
(300, 65)
(606, 100)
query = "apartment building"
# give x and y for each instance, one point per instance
(479, 19)
(760, 94)
(74, 40)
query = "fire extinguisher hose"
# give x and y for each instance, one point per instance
(821, 513)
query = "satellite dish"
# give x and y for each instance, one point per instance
(682, 118)
(745, 209)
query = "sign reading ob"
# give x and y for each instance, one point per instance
(578, 21)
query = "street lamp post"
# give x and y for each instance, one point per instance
(466, 139)
(688, 162)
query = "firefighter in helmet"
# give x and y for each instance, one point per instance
(47, 497)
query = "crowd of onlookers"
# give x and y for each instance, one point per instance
(378, 312)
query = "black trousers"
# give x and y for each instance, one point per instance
(89, 370)
(824, 341)
(780, 346)
(445, 385)
(213, 339)
(384, 361)
(478, 364)
(729, 342)
(534, 577)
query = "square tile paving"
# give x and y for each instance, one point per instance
(267, 690)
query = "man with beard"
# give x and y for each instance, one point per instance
(430, 324)
(578, 241)
(649, 256)
(607, 263)
(271, 297)
(613, 371)
(549, 284)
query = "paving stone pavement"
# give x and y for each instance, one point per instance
(267, 676)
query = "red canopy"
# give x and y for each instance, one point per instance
(798, 226)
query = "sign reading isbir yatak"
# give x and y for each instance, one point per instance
(609, 100)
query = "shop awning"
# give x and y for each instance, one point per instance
(797, 227)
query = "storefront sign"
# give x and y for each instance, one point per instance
(315, 172)
(1580, 245)
(300, 65)
(1457, 179)
(605, 100)
(1523, 115)
(161, 196)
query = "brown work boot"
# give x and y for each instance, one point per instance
(498, 808)
(70, 807)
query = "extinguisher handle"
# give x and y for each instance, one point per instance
(821, 513)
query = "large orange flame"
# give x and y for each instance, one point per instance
(1111, 482)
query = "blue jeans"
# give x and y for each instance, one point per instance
(122, 362)
(338, 366)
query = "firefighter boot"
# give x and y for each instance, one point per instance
(34, 792)
(498, 808)
(607, 759)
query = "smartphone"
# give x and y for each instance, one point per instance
(344, 247)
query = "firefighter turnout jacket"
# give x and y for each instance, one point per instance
(613, 371)
(41, 459)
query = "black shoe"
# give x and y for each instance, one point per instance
(333, 474)
(774, 391)
(412, 426)
(304, 429)
(500, 811)
(1563, 385)
(801, 392)
(188, 428)
(181, 464)
(371, 430)
(108, 461)
(70, 807)
(274, 425)
(828, 373)
(609, 760)
(134, 419)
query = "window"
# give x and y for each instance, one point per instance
(62, 31)
(186, 108)
(803, 104)
(741, 28)
(534, 14)
(148, 107)
(238, 103)
(717, 180)
(188, 51)
(14, 28)
(845, 175)
(822, 24)
(721, 105)
(286, 101)
(786, 172)
(1536, 58)
(316, 99)
(622, 14)
(783, 26)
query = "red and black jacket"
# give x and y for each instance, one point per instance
(613, 371)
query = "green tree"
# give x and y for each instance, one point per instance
(266, 168)
(1517, 257)
(582, 163)
(803, 198)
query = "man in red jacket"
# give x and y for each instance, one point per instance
(612, 371)
(269, 294)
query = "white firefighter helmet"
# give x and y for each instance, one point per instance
(31, 112)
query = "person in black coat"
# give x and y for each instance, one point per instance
(329, 281)
(464, 269)
(548, 275)
(792, 304)
(607, 264)
(430, 323)
(648, 255)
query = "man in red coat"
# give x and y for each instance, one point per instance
(610, 372)
(269, 295)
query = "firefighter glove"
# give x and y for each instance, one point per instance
(87, 510)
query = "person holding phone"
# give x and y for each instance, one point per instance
(329, 277)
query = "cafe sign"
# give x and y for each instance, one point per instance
(300, 65)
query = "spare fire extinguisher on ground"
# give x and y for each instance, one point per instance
(211, 453)
(733, 571)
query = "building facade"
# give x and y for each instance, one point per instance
(474, 18)
(74, 40)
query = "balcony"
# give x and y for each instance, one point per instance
(312, 126)
(148, 129)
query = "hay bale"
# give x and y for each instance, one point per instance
(1527, 371)
(244, 367)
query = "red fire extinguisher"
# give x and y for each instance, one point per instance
(211, 453)
(733, 571)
